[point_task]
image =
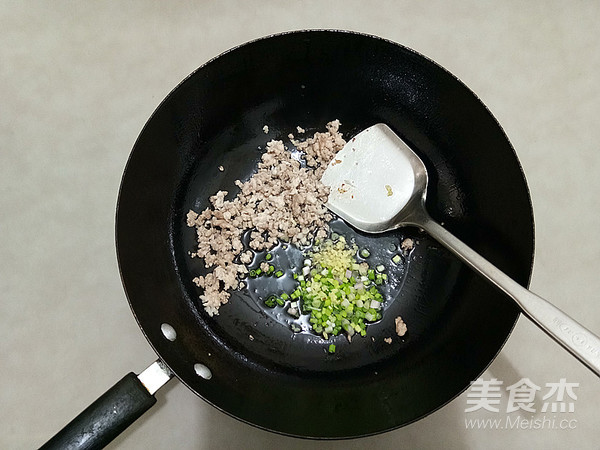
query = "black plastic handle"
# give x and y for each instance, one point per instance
(106, 418)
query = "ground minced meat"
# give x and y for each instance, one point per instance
(401, 327)
(407, 245)
(282, 201)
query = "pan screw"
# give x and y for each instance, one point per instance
(203, 371)
(168, 331)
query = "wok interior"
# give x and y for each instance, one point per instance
(283, 381)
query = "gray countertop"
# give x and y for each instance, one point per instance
(78, 80)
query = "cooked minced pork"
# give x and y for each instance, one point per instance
(282, 201)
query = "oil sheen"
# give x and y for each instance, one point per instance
(290, 259)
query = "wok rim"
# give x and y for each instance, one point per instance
(148, 124)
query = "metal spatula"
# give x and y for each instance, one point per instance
(378, 184)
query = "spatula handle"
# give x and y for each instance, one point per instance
(578, 340)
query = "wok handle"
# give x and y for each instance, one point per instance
(109, 415)
(578, 340)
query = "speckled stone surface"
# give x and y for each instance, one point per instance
(77, 83)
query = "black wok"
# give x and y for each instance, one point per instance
(285, 382)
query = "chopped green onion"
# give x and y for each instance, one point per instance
(396, 259)
(271, 269)
(380, 268)
(331, 348)
(268, 257)
(364, 253)
(280, 301)
(258, 272)
(252, 273)
(278, 274)
(336, 291)
(285, 296)
(271, 301)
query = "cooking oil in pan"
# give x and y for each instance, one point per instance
(384, 250)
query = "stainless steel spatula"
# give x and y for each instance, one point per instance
(378, 184)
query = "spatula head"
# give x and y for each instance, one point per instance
(373, 178)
